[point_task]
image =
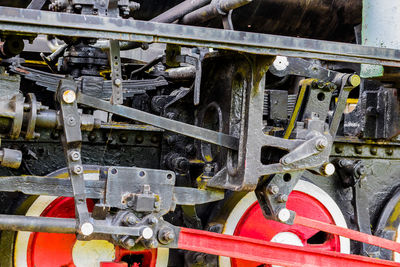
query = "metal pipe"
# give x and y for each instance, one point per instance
(37, 224)
(216, 8)
(180, 10)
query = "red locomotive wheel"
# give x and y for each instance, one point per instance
(48, 250)
(246, 219)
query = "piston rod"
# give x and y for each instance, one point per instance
(37, 224)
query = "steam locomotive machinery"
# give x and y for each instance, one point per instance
(170, 133)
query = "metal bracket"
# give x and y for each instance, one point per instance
(310, 148)
(116, 76)
(273, 195)
(196, 62)
(72, 140)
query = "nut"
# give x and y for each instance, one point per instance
(166, 235)
(282, 198)
(75, 156)
(77, 169)
(321, 144)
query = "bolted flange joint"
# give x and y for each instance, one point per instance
(166, 235)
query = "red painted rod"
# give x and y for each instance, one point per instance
(269, 252)
(354, 235)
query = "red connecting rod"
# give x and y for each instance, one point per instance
(285, 255)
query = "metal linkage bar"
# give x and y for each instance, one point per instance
(269, 252)
(352, 234)
(61, 225)
(37, 224)
(164, 123)
(64, 24)
(95, 189)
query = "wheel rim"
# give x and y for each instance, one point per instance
(45, 249)
(307, 200)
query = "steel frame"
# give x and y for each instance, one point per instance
(44, 22)
(34, 22)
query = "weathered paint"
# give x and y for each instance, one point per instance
(380, 28)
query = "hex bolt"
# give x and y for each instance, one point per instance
(152, 243)
(77, 169)
(131, 219)
(282, 198)
(321, 144)
(118, 82)
(153, 220)
(166, 235)
(75, 156)
(129, 243)
(273, 189)
(284, 215)
(87, 228)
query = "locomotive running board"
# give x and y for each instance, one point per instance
(284, 255)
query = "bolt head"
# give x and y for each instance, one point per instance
(328, 169)
(69, 96)
(152, 244)
(87, 229)
(129, 243)
(131, 219)
(282, 198)
(153, 220)
(147, 233)
(280, 63)
(118, 82)
(273, 189)
(321, 144)
(284, 215)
